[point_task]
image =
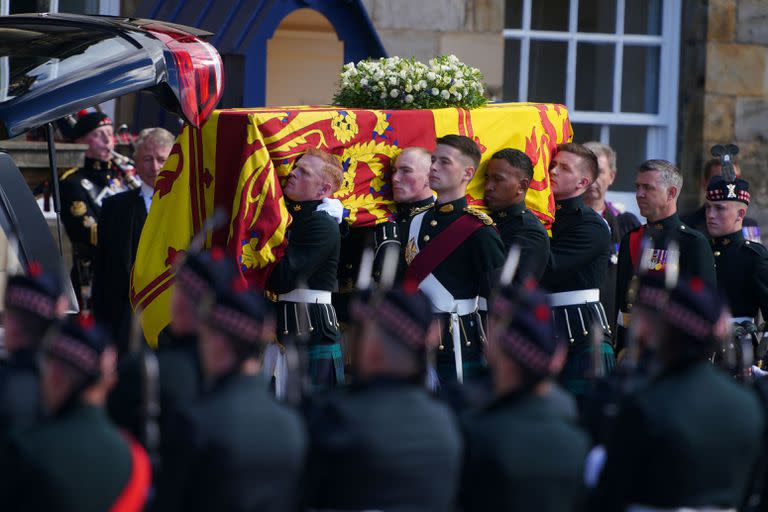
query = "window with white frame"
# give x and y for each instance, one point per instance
(613, 63)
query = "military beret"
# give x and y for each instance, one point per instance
(200, 271)
(719, 189)
(695, 308)
(79, 342)
(88, 122)
(525, 331)
(406, 313)
(237, 311)
(35, 292)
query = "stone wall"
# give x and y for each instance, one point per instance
(736, 89)
(470, 29)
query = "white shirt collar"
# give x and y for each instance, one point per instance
(146, 194)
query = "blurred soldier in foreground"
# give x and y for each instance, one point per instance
(521, 453)
(692, 437)
(578, 261)
(384, 443)
(658, 184)
(32, 303)
(75, 460)
(507, 177)
(120, 223)
(236, 449)
(307, 274)
(453, 251)
(619, 221)
(82, 192)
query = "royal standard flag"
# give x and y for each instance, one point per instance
(236, 160)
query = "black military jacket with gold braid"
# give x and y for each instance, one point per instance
(742, 273)
(469, 270)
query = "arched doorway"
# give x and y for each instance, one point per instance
(304, 58)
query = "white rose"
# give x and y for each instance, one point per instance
(431, 76)
(445, 94)
(364, 81)
(422, 84)
(409, 99)
(458, 96)
(394, 93)
(383, 95)
(435, 91)
(408, 87)
(392, 80)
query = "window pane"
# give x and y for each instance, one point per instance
(79, 6)
(23, 6)
(594, 77)
(513, 15)
(550, 15)
(630, 144)
(511, 69)
(546, 82)
(583, 132)
(597, 16)
(642, 17)
(640, 79)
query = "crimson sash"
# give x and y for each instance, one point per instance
(635, 245)
(135, 492)
(440, 247)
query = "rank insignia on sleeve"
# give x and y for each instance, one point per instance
(411, 251)
(78, 209)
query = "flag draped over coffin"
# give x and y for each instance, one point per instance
(236, 160)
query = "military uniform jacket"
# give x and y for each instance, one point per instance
(82, 191)
(518, 226)
(74, 462)
(742, 274)
(690, 439)
(237, 449)
(620, 224)
(579, 250)
(19, 391)
(695, 259)
(469, 270)
(383, 445)
(522, 454)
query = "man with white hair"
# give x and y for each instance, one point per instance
(658, 185)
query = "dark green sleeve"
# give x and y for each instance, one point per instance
(534, 252)
(585, 242)
(701, 261)
(309, 246)
(625, 460)
(624, 273)
(487, 257)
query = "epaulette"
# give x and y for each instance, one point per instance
(487, 220)
(416, 211)
(756, 247)
(68, 173)
(689, 231)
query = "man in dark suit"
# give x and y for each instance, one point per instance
(507, 178)
(120, 223)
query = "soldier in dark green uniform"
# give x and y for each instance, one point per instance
(521, 453)
(75, 460)
(307, 274)
(235, 449)
(692, 437)
(82, 192)
(453, 251)
(578, 261)
(507, 177)
(32, 303)
(384, 443)
(741, 265)
(658, 186)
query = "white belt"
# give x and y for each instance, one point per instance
(443, 301)
(739, 319)
(305, 295)
(643, 508)
(574, 297)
